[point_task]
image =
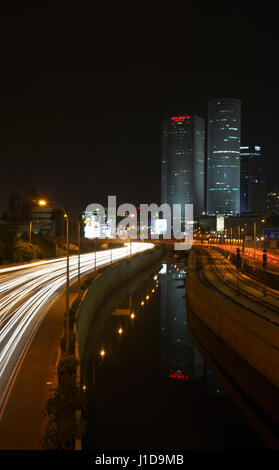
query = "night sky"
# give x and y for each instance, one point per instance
(83, 92)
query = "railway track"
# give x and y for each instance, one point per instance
(227, 285)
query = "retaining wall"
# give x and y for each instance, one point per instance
(106, 282)
(253, 338)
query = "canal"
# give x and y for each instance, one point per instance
(148, 385)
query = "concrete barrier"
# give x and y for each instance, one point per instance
(106, 282)
(253, 338)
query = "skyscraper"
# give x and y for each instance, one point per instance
(223, 156)
(252, 180)
(183, 162)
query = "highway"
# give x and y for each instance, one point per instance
(26, 293)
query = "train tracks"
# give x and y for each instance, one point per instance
(215, 272)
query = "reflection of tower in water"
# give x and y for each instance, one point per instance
(180, 359)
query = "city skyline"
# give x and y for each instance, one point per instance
(73, 119)
(139, 232)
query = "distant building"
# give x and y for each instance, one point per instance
(182, 162)
(272, 202)
(223, 156)
(252, 180)
(43, 221)
(4, 199)
(97, 224)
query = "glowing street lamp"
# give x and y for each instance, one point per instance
(42, 202)
(102, 353)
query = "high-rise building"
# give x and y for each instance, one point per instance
(183, 162)
(272, 202)
(252, 180)
(223, 156)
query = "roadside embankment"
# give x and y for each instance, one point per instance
(252, 337)
(105, 282)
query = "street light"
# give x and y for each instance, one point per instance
(43, 203)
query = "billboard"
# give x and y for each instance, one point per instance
(271, 233)
(220, 223)
(160, 226)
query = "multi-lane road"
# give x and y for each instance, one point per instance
(26, 293)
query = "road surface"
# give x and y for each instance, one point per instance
(26, 294)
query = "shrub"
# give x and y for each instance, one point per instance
(63, 425)
(72, 341)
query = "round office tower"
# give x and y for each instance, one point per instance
(223, 156)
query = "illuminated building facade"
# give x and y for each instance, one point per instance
(182, 162)
(223, 157)
(96, 225)
(252, 180)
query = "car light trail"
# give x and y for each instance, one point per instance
(26, 293)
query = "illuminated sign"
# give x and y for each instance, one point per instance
(179, 118)
(220, 223)
(160, 226)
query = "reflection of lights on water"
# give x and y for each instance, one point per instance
(178, 375)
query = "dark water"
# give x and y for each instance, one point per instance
(153, 389)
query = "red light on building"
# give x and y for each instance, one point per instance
(179, 118)
(178, 375)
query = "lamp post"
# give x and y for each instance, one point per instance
(78, 237)
(95, 246)
(30, 230)
(42, 203)
(255, 236)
